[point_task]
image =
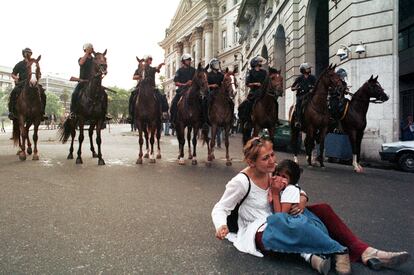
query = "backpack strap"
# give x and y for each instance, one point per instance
(248, 190)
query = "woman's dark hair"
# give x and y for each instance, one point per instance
(291, 168)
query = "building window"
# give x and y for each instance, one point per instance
(224, 40)
(235, 34)
(223, 9)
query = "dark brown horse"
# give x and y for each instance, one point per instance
(91, 109)
(316, 116)
(147, 115)
(29, 111)
(265, 109)
(220, 114)
(189, 114)
(355, 118)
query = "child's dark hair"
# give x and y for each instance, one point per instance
(291, 168)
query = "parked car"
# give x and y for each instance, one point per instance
(401, 153)
(281, 137)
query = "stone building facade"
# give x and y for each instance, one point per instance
(204, 29)
(290, 32)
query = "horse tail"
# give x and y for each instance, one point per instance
(16, 132)
(66, 130)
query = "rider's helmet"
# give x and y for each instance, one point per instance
(304, 66)
(186, 56)
(26, 50)
(257, 61)
(148, 56)
(342, 73)
(215, 64)
(87, 46)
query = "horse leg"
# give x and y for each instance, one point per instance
(359, 136)
(81, 137)
(91, 128)
(181, 143)
(152, 140)
(72, 134)
(309, 144)
(227, 143)
(145, 129)
(322, 135)
(99, 142)
(23, 137)
(29, 144)
(353, 139)
(141, 143)
(35, 138)
(211, 156)
(158, 141)
(189, 129)
(194, 158)
(294, 144)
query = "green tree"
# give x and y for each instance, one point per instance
(53, 105)
(118, 102)
(64, 97)
(4, 99)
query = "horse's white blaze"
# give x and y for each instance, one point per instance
(32, 76)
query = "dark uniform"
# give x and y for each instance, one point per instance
(20, 69)
(213, 77)
(337, 102)
(84, 74)
(246, 106)
(305, 85)
(182, 75)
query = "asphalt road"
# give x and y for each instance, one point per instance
(57, 217)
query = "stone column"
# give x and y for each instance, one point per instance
(196, 37)
(187, 45)
(179, 52)
(208, 41)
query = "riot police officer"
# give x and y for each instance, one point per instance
(302, 85)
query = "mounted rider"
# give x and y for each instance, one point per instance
(149, 72)
(183, 80)
(336, 97)
(85, 63)
(20, 75)
(254, 80)
(214, 78)
(303, 85)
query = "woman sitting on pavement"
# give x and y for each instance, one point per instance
(255, 211)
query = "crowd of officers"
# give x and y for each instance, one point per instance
(255, 79)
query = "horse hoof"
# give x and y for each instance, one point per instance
(29, 151)
(181, 161)
(210, 158)
(208, 163)
(190, 157)
(101, 162)
(18, 152)
(159, 156)
(22, 157)
(35, 157)
(139, 161)
(228, 163)
(70, 156)
(146, 156)
(152, 161)
(194, 162)
(94, 155)
(79, 161)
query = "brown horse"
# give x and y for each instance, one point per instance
(220, 114)
(316, 116)
(355, 118)
(147, 115)
(265, 109)
(91, 109)
(189, 113)
(29, 111)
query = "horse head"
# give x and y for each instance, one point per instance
(229, 83)
(200, 79)
(100, 66)
(274, 83)
(330, 79)
(375, 90)
(33, 70)
(141, 67)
